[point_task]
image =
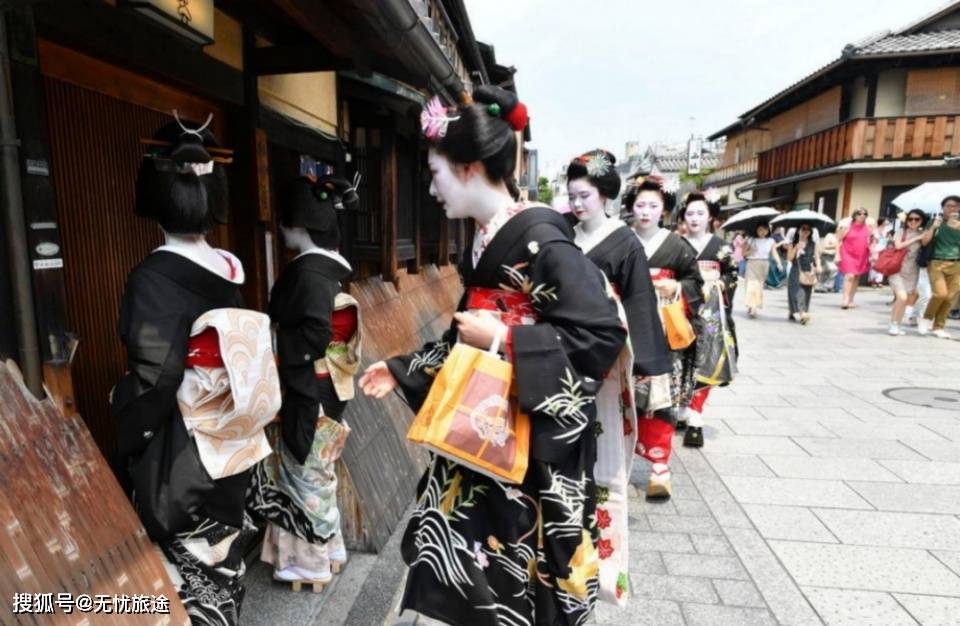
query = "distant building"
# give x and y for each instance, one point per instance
(881, 118)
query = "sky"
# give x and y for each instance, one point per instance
(599, 73)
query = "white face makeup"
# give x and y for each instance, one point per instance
(647, 210)
(697, 218)
(447, 186)
(585, 200)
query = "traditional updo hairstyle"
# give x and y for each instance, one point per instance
(484, 130)
(597, 166)
(179, 184)
(698, 196)
(308, 205)
(647, 183)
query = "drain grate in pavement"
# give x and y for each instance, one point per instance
(947, 399)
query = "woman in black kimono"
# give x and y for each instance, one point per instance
(295, 490)
(715, 347)
(180, 186)
(592, 183)
(673, 267)
(483, 551)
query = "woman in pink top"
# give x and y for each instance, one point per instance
(854, 254)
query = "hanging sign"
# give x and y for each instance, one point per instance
(192, 19)
(694, 155)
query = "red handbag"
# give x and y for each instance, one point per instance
(890, 260)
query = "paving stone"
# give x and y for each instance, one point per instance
(737, 464)
(638, 523)
(705, 615)
(639, 505)
(646, 541)
(646, 563)
(866, 568)
(950, 559)
(844, 607)
(802, 415)
(778, 589)
(937, 450)
(782, 427)
(902, 432)
(795, 491)
(704, 565)
(927, 472)
(788, 522)
(691, 507)
(931, 610)
(856, 448)
(712, 544)
(828, 469)
(895, 530)
(703, 525)
(680, 588)
(739, 593)
(754, 444)
(911, 498)
(640, 611)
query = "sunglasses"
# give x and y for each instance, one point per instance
(914, 219)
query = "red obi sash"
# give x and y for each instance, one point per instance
(203, 350)
(344, 323)
(659, 273)
(514, 307)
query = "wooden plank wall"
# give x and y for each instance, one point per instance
(65, 524)
(380, 468)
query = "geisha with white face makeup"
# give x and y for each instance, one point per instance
(713, 356)
(593, 183)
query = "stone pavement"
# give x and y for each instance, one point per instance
(816, 499)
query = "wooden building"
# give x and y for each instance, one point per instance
(880, 119)
(293, 84)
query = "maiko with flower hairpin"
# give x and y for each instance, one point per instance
(679, 287)
(593, 184)
(487, 545)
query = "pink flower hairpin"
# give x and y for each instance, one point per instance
(434, 119)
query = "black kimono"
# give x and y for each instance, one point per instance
(719, 251)
(172, 491)
(621, 258)
(484, 552)
(301, 306)
(674, 258)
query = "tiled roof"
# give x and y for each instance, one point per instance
(920, 42)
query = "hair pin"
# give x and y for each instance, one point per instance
(493, 109)
(434, 119)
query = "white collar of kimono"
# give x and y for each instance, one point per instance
(485, 234)
(651, 247)
(332, 254)
(192, 253)
(587, 241)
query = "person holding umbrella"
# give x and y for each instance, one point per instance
(803, 273)
(904, 282)
(805, 263)
(943, 268)
(758, 249)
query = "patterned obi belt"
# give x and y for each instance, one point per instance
(513, 308)
(660, 273)
(709, 270)
(344, 323)
(203, 350)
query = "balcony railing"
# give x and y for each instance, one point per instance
(744, 169)
(873, 139)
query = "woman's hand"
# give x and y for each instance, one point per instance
(377, 381)
(666, 287)
(479, 329)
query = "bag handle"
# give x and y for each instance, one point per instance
(497, 339)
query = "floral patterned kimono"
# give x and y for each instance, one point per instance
(715, 348)
(615, 249)
(485, 552)
(190, 416)
(671, 256)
